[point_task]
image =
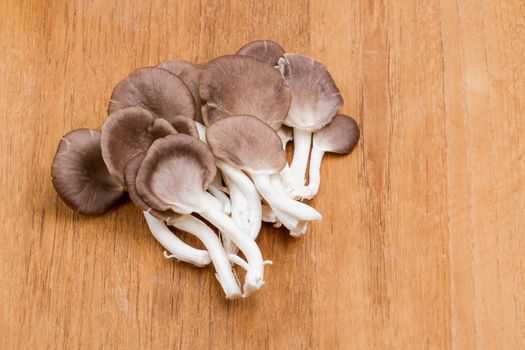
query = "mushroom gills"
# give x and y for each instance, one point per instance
(175, 174)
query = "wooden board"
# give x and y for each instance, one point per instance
(423, 239)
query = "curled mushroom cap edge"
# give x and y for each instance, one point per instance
(79, 174)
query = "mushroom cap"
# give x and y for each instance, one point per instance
(127, 132)
(210, 114)
(80, 176)
(155, 89)
(247, 143)
(130, 174)
(175, 66)
(315, 97)
(265, 50)
(190, 77)
(175, 173)
(245, 85)
(184, 125)
(339, 136)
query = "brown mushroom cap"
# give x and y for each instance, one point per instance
(175, 66)
(128, 132)
(315, 97)
(265, 50)
(184, 125)
(190, 77)
(130, 174)
(244, 85)
(210, 114)
(80, 176)
(175, 173)
(246, 143)
(339, 136)
(155, 89)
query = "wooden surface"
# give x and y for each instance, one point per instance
(423, 239)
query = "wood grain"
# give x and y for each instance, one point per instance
(422, 244)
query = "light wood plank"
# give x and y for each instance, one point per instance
(422, 241)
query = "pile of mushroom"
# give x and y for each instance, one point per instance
(201, 148)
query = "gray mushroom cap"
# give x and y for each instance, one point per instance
(80, 176)
(339, 136)
(184, 125)
(156, 89)
(175, 173)
(315, 97)
(130, 173)
(265, 50)
(175, 66)
(246, 143)
(234, 85)
(190, 77)
(128, 132)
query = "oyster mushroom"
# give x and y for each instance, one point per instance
(80, 176)
(156, 89)
(174, 176)
(156, 222)
(265, 50)
(315, 101)
(179, 250)
(339, 136)
(234, 85)
(251, 145)
(245, 200)
(243, 85)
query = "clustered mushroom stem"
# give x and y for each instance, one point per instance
(294, 225)
(221, 197)
(250, 194)
(302, 143)
(178, 249)
(217, 253)
(314, 172)
(254, 279)
(216, 203)
(238, 213)
(283, 203)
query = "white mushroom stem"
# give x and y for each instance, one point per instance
(239, 213)
(314, 173)
(285, 174)
(251, 196)
(215, 190)
(215, 186)
(174, 245)
(217, 203)
(282, 203)
(302, 141)
(255, 274)
(295, 226)
(219, 258)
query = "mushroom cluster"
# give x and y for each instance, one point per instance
(201, 148)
